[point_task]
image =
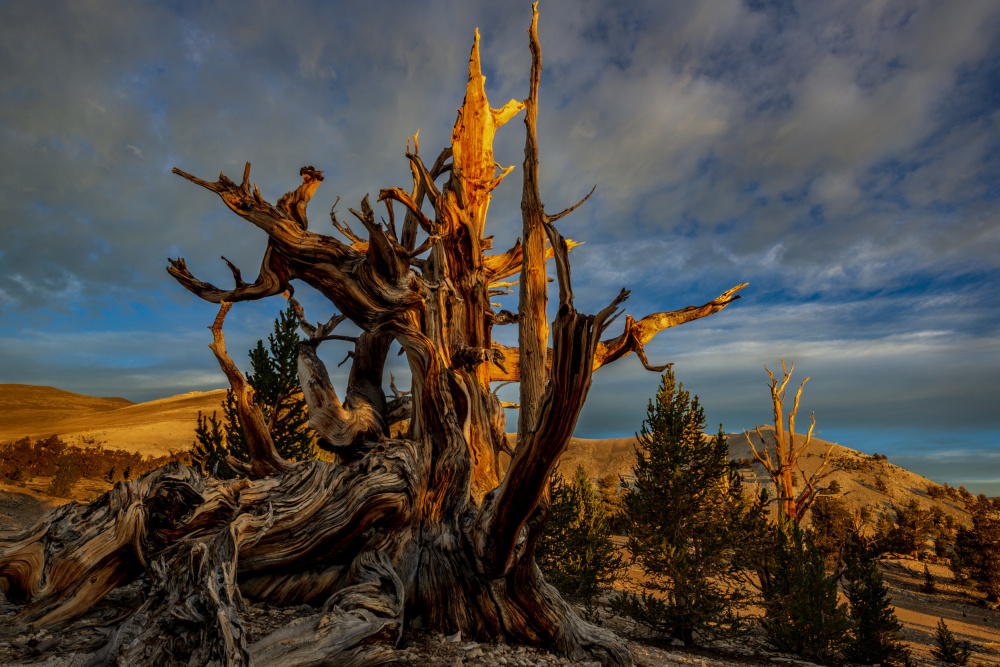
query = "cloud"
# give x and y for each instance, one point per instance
(743, 130)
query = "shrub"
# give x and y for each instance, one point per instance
(16, 461)
(67, 474)
(801, 614)
(51, 457)
(881, 484)
(848, 462)
(686, 516)
(44, 455)
(947, 649)
(936, 492)
(875, 637)
(943, 532)
(575, 551)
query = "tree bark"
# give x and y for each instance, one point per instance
(422, 526)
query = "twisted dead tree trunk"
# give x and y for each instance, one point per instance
(414, 530)
(781, 467)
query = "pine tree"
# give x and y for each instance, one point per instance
(209, 452)
(928, 586)
(907, 532)
(801, 613)
(274, 377)
(876, 628)
(686, 515)
(576, 552)
(609, 488)
(832, 526)
(947, 648)
(978, 548)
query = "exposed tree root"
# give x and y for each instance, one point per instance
(360, 624)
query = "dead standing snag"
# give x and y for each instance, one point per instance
(417, 528)
(781, 467)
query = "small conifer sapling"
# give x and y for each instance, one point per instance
(946, 647)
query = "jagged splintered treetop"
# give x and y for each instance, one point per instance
(420, 527)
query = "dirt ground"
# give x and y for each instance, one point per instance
(963, 609)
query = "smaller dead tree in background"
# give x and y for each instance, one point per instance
(781, 466)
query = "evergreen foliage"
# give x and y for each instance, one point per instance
(576, 552)
(801, 614)
(67, 474)
(936, 492)
(275, 379)
(943, 533)
(947, 649)
(928, 586)
(832, 526)
(613, 496)
(876, 637)
(978, 547)
(907, 532)
(881, 484)
(209, 452)
(686, 517)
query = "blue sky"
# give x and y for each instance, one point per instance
(841, 157)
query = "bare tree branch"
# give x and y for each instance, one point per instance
(264, 458)
(633, 339)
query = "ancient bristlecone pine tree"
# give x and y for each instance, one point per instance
(421, 529)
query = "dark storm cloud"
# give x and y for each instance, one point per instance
(840, 156)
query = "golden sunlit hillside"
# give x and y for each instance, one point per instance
(154, 428)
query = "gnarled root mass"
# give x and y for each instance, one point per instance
(323, 532)
(194, 537)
